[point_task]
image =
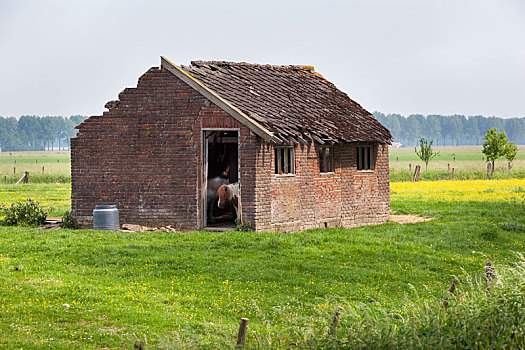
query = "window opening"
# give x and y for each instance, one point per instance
(365, 158)
(326, 159)
(284, 160)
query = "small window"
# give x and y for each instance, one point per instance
(365, 158)
(284, 160)
(326, 159)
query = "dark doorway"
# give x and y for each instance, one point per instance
(222, 168)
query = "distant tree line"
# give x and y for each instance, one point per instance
(450, 130)
(34, 133)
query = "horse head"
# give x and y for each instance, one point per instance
(225, 195)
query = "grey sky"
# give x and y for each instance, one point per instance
(443, 56)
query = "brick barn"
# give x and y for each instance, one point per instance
(305, 154)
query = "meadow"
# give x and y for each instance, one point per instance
(468, 163)
(66, 289)
(43, 167)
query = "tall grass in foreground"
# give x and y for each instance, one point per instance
(473, 319)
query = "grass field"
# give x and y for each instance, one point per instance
(56, 166)
(468, 163)
(94, 289)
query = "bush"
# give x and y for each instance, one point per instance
(69, 221)
(26, 213)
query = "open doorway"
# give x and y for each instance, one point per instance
(221, 148)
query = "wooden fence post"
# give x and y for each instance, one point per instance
(450, 291)
(26, 177)
(416, 173)
(452, 175)
(5, 179)
(243, 331)
(448, 167)
(410, 167)
(42, 170)
(489, 275)
(14, 170)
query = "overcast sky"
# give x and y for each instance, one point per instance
(442, 56)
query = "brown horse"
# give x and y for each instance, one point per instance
(229, 195)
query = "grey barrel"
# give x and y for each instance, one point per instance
(105, 217)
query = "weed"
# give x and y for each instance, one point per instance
(25, 213)
(246, 227)
(69, 221)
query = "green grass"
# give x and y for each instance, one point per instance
(56, 166)
(468, 163)
(54, 198)
(190, 289)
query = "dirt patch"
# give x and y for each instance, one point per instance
(409, 219)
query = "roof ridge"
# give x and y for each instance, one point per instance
(200, 63)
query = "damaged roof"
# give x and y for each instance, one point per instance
(284, 103)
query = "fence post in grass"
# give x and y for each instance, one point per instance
(138, 345)
(334, 323)
(14, 170)
(452, 175)
(448, 165)
(410, 167)
(26, 177)
(42, 170)
(5, 179)
(489, 275)
(450, 291)
(243, 331)
(416, 174)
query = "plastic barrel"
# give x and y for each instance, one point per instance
(105, 217)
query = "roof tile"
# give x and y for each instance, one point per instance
(293, 102)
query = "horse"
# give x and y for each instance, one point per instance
(229, 194)
(211, 194)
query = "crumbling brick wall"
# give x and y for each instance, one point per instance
(143, 155)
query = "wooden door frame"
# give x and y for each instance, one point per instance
(203, 181)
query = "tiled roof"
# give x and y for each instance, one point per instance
(293, 102)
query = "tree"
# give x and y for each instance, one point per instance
(494, 146)
(511, 150)
(426, 153)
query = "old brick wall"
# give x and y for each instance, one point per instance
(310, 199)
(366, 196)
(144, 155)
